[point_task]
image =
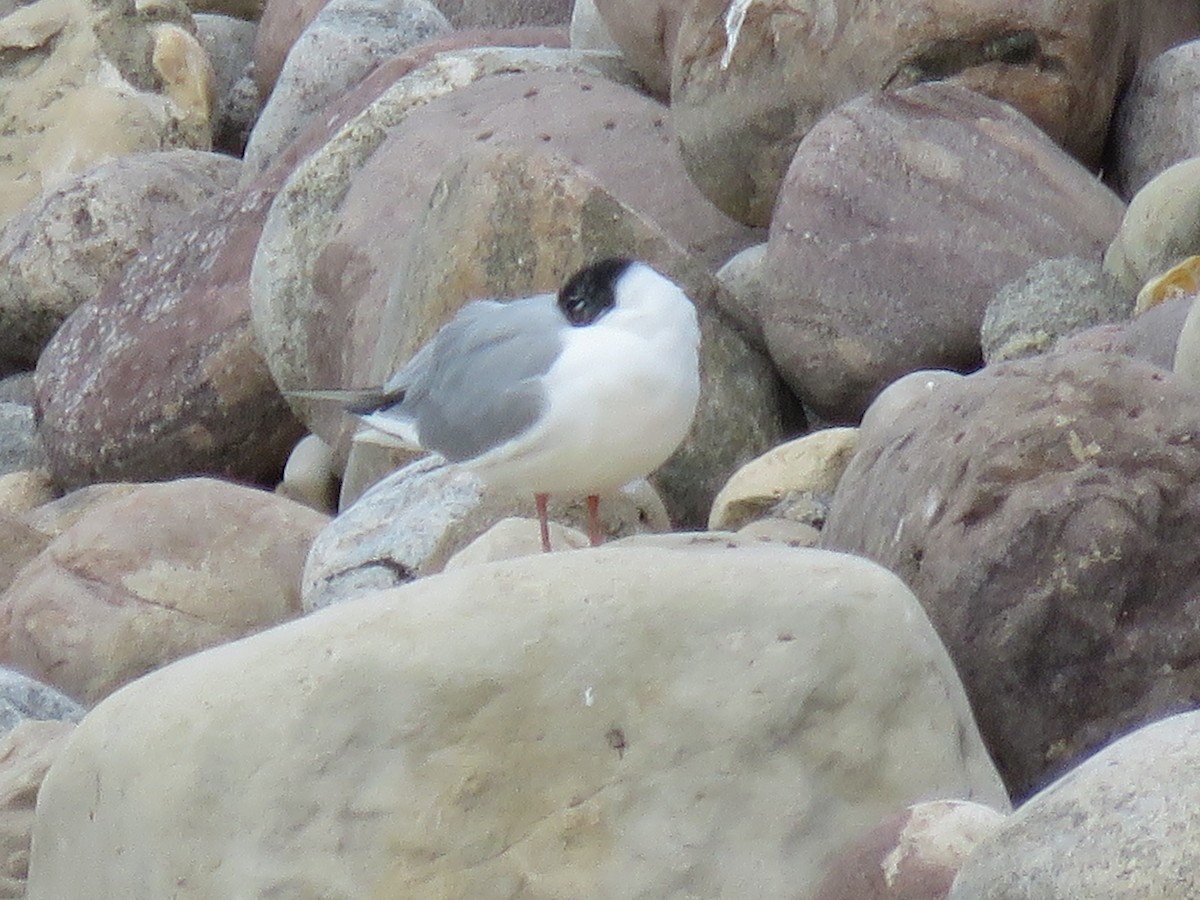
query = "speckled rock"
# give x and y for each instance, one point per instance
(468, 14)
(616, 723)
(911, 856)
(1158, 120)
(1056, 297)
(25, 490)
(23, 699)
(62, 249)
(1119, 826)
(506, 223)
(751, 79)
(153, 576)
(795, 480)
(332, 245)
(1160, 229)
(160, 375)
(412, 521)
(20, 448)
(902, 215)
(26, 753)
(345, 40)
(84, 82)
(1044, 511)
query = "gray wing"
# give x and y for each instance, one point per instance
(477, 383)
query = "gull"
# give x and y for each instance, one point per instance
(574, 393)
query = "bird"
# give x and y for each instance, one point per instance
(570, 393)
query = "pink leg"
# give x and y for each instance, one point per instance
(540, 501)
(594, 520)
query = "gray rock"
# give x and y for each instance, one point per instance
(902, 215)
(1157, 123)
(1056, 297)
(616, 723)
(230, 46)
(22, 698)
(489, 14)
(341, 45)
(1044, 511)
(65, 247)
(411, 522)
(20, 447)
(1118, 826)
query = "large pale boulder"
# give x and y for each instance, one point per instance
(616, 723)
(165, 571)
(83, 82)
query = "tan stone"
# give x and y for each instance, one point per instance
(25, 490)
(809, 465)
(26, 753)
(78, 89)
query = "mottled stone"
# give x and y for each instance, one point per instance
(62, 249)
(153, 576)
(281, 23)
(1121, 826)
(82, 82)
(1045, 512)
(23, 699)
(229, 43)
(615, 723)
(345, 40)
(645, 30)
(911, 856)
(468, 14)
(901, 216)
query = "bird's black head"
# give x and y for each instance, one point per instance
(590, 292)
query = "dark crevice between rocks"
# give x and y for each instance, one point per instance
(946, 57)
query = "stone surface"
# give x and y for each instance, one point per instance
(1187, 350)
(1151, 337)
(229, 43)
(24, 490)
(1160, 229)
(891, 408)
(411, 522)
(23, 699)
(20, 542)
(20, 448)
(1119, 826)
(588, 31)
(504, 223)
(1158, 120)
(282, 22)
(911, 856)
(469, 14)
(248, 10)
(160, 375)
(345, 40)
(83, 82)
(166, 571)
(56, 516)
(26, 753)
(901, 216)
(1044, 511)
(309, 476)
(335, 238)
(62, 249)
(645, 32)
(1178, 282)
(512, 538)
(750, 80)
(1056, 297)
(786, 481)
(742, 278)
(613, 723)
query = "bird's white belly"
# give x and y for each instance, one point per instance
(618, 405)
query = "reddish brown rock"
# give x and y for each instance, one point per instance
(750, 79)
(901, 217)
(1150, 337)
(1045, 512)
(160, 375)
(282, 22)
(164, 572)
(911, 856)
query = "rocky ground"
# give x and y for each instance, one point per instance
(911, 614)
